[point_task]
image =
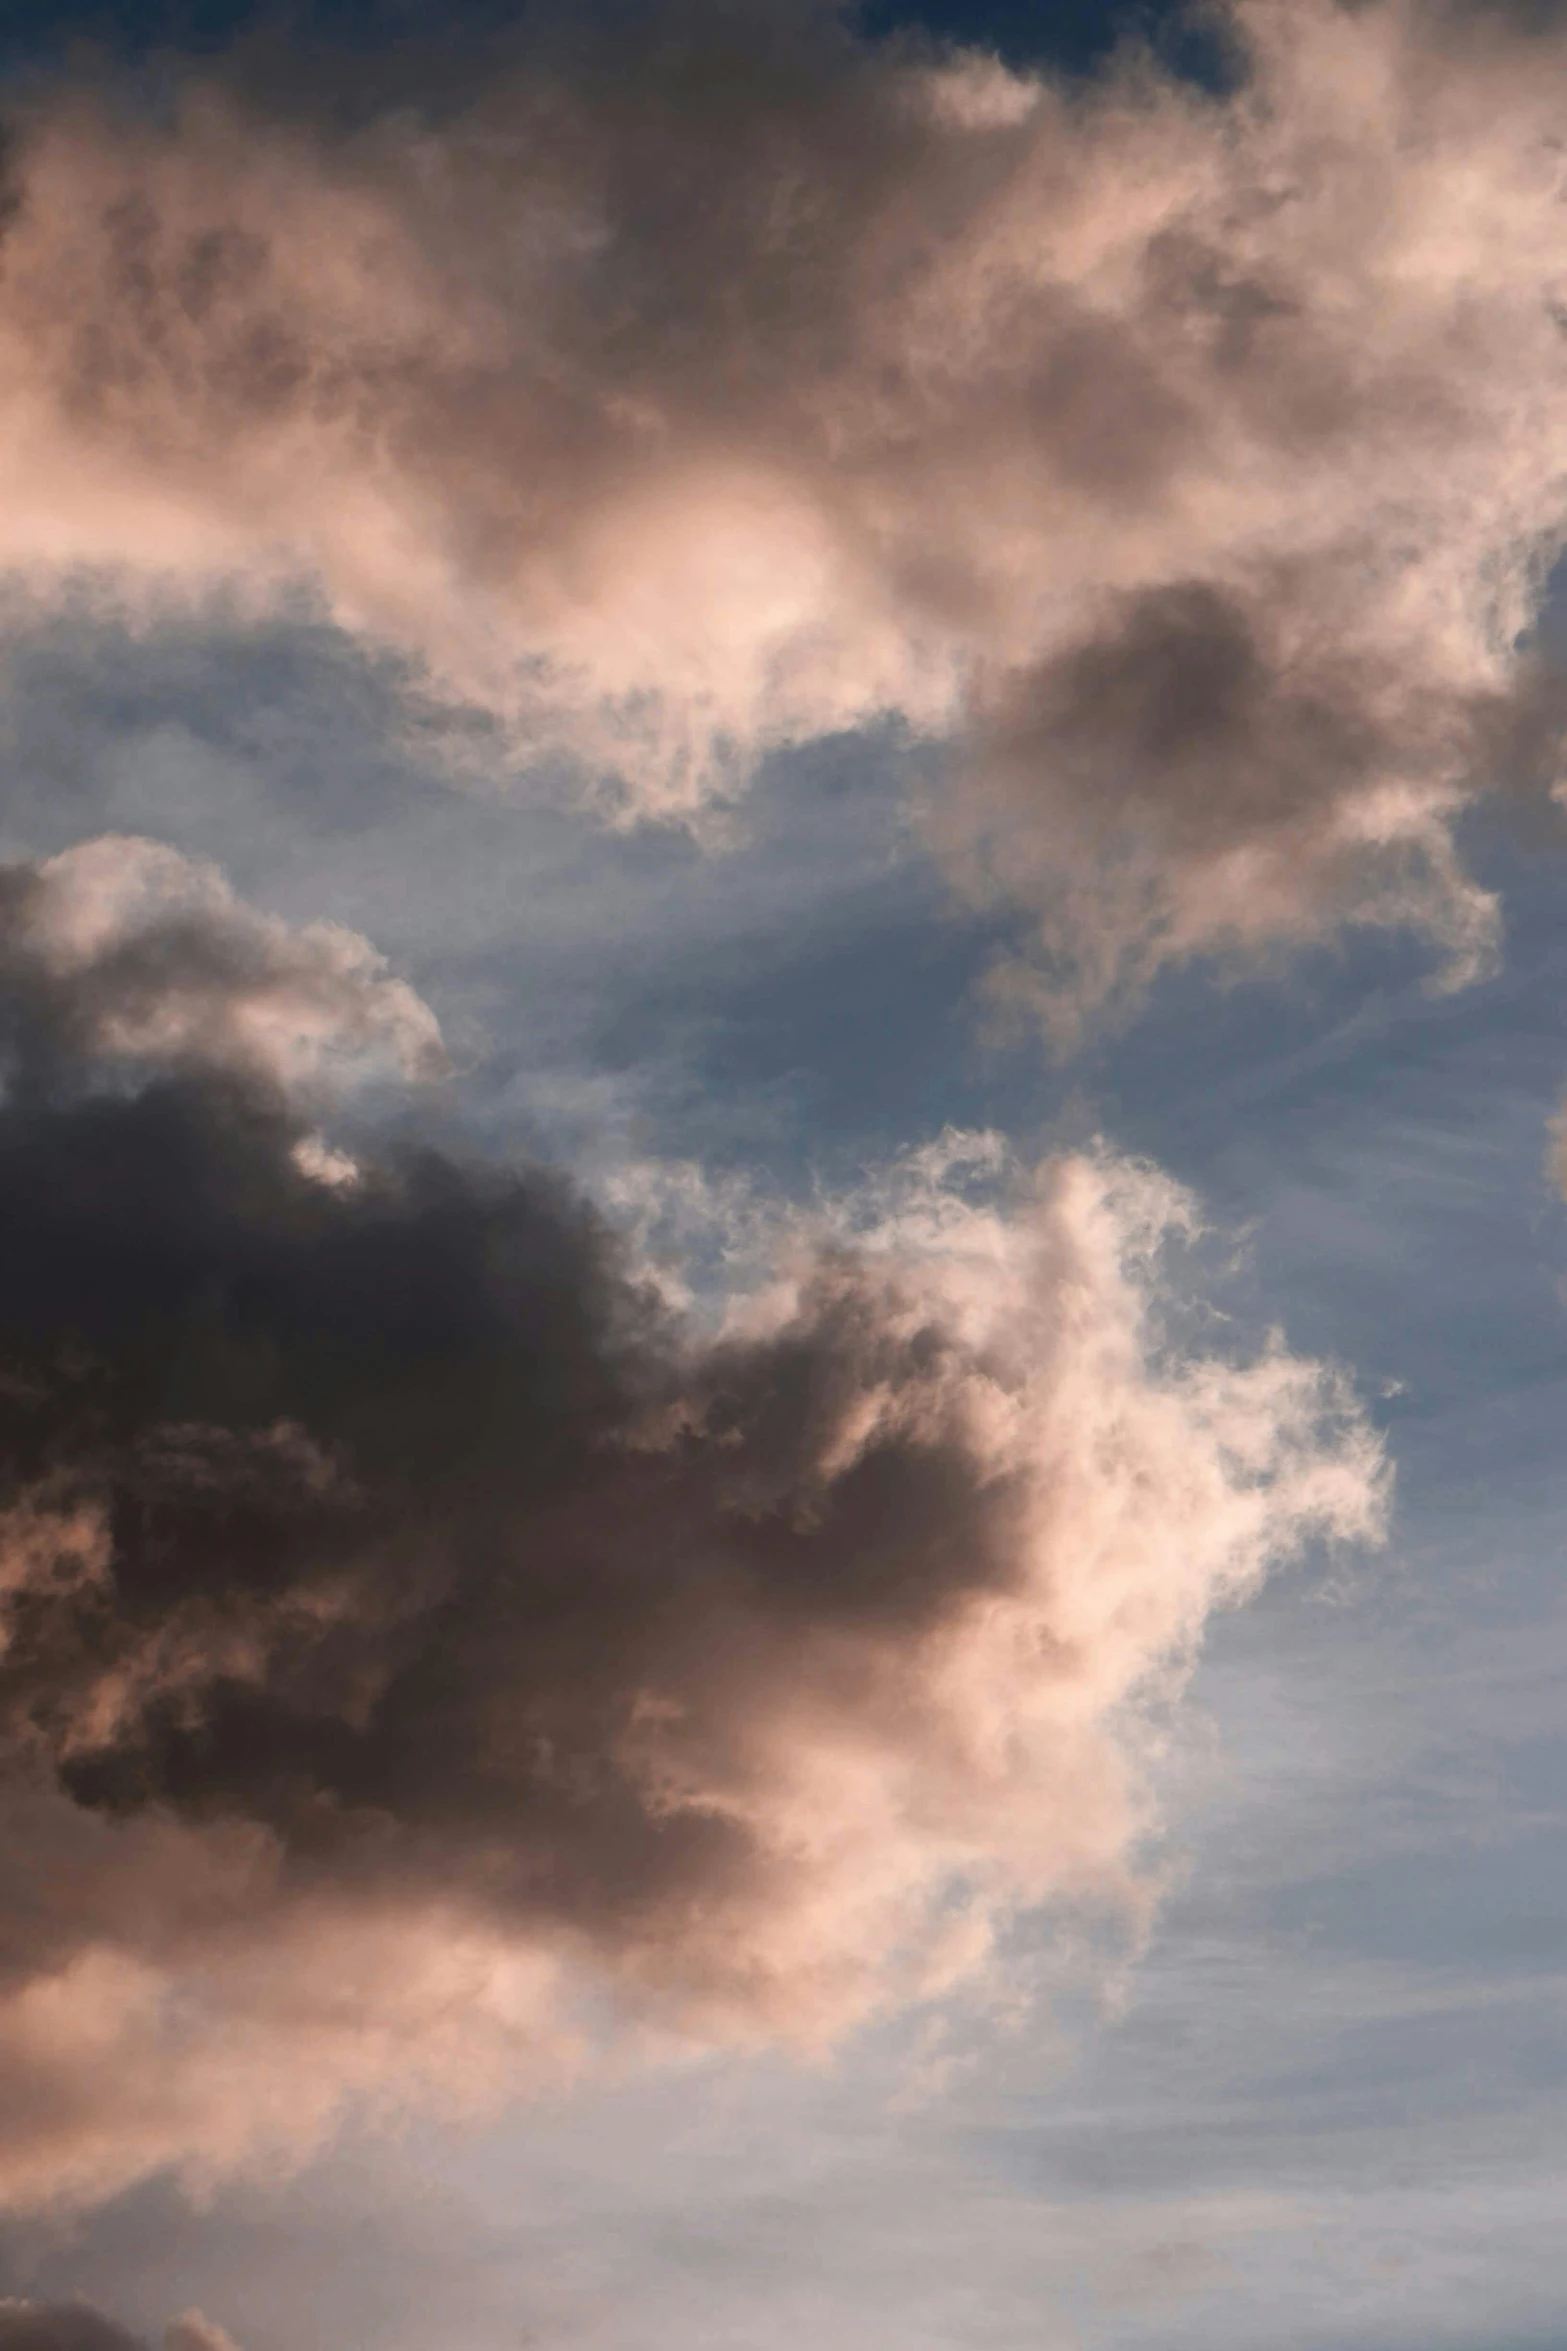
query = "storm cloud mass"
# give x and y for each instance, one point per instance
(418, 1633)
(1182, 470)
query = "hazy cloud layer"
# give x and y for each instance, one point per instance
(424, 1642)
(74, 2326)
(1186, 468)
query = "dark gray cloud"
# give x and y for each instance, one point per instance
(61, 2326)
(75, 2326)
(1192, 775)
(410, 1618)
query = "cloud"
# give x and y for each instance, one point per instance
(76, 2326)
(1184, 471)
(122, 950)
(60, 2326)
(194, 2332)
(428, 1650)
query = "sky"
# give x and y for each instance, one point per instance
(783, 1120)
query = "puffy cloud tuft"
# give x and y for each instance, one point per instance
(125, 951)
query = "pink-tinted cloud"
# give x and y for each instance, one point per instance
(1182, 469)
(122, 950)
(427, 1651)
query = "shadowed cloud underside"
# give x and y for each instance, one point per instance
(413, 1620)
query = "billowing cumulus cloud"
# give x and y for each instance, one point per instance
(1183, 470)
(424, 1644)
